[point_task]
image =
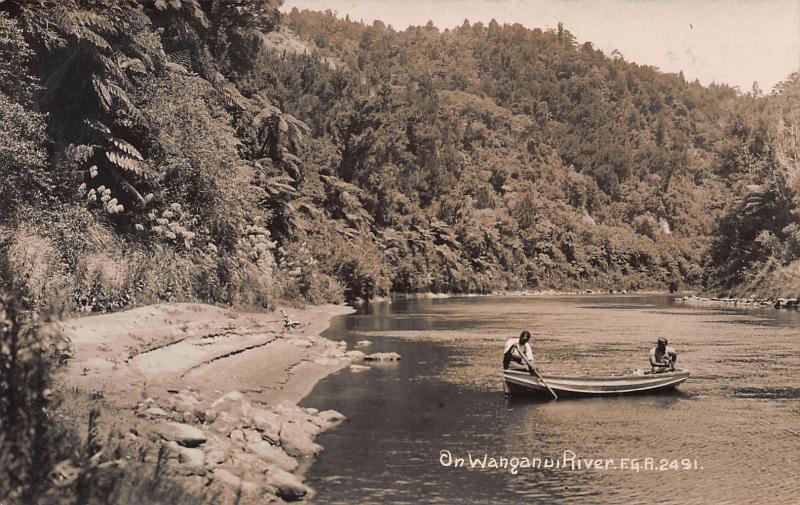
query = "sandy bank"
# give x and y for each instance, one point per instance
(216, 389)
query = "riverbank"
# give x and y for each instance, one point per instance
(209, 393)
(758, 303)
(428, 295)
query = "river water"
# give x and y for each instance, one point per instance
(735, 423)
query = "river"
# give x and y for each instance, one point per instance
(735, 423)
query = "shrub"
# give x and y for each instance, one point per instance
(28, 349)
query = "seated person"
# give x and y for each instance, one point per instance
(663, 358)
(513, 347)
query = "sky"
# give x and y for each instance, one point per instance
(735, 42)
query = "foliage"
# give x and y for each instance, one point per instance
(28, 349)
(755, 247)
(243, 157)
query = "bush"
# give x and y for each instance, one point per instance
(28, 350)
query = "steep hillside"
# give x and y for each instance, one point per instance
(217, 151)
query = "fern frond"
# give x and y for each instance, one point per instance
(181, 57)
(127, 149)
(103, 94)
(80, 153)
(97, 126)
(281, 184)
(124, 162)
(128, 106)
(110, 67)
(128, 188)
(91, 37)
(120, 94)
(92, 20)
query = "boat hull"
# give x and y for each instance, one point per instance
(521, 382)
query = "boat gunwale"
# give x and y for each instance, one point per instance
(535, 386)
(605, 378)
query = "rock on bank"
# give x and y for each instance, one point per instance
(213, 390)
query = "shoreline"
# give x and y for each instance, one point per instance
(428, 295)
(212, 392)
(744, 303)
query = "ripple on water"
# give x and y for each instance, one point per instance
(737, 415)
(792, 393)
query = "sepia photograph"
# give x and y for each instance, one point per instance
(399, 252)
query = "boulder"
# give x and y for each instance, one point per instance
(355, 355)
(289, 487)
(215, 457)
(223, 423)
(192, 458)
(237, 436)
(252, 436)
(184, 434)
(331, 416)
(383, 356)
(327, 419)
(363, 343)
(267, 423)
(272, 455)
(209, 416)
(358, 368)
(227, 478)
(155, 413)
(302, 421)
(297, 441)
(233, 404)
(248, 465)
(184, 400)
(287, 408)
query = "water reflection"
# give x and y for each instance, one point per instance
(737, 416)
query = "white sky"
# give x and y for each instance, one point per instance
(725, 41)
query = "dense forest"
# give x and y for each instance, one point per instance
(221, 151)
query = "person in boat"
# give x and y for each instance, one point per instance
(663, 357)
(515, 346)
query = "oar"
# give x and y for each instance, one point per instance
(533, 371)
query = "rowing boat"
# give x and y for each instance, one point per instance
(522, 382)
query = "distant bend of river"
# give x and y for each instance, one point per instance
(736, 421)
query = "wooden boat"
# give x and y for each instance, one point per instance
(522, 382)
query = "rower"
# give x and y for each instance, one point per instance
(513, 347)
(663, 358)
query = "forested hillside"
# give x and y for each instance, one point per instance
(219, 151)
